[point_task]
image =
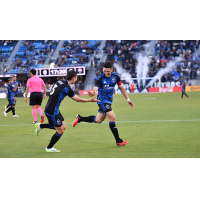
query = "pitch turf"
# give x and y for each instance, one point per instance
(160, 126)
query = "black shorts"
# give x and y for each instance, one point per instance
(11, 102)
(36, 98)
(55, 120)
(104, 108)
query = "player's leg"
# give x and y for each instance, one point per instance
(60, 128)
(90, 119)
(34, 113)
(9, 109)
(182, 95)
(38, 104)
(111, 117)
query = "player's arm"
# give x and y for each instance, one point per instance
(14, 89)
(27, 89)
(121, 87)
(78, 99)
(93, 92)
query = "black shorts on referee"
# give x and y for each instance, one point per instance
(36, 98)
(55, 120)
(104, 108)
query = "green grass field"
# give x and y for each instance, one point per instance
(160, 126)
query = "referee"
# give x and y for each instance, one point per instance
(35, 85)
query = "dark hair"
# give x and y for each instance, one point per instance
(71, 74)
(107, 64)
(33, 71)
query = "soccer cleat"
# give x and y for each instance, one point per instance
(5, 114)
(42, 118)
(181, 98)
(76, 120)
(37, 128)
(52, 150)
(15, 115)
(122, 143)
(187, 97)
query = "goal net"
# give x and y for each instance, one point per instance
(140, 85)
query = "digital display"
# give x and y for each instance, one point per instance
(61, 71)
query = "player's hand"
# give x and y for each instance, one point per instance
(91, 94)
(16, 85)
(25, 99)
(94, 100)
(44, 96)
(131, 104)
(15, 99)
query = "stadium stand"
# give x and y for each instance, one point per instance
(124, 52)
(76, 52)
(6, 48)
(32, 54)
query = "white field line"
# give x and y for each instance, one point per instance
(186, 120)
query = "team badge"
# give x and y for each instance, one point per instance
(58, 122)
(107, 106)
(113, 80)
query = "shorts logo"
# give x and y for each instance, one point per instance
(113, 80)
(58, 122)
(107, 106)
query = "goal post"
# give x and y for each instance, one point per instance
(139, 85)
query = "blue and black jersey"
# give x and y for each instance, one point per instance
(106, 87)
(183, 85)
(16, 82)
(10, 92)
(59, 91)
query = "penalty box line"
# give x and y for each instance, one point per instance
(187, 120)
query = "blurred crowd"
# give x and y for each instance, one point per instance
(124, 53)
(33, 53)
(6, 48)
(76, 52)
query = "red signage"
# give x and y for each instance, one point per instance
(166, 89)
(84, 92)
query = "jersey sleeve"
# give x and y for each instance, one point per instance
(97, 82)
(69, 92)
(119, 82)
(28, 83)
(43, 84)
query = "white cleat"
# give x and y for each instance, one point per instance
(15, 115)
(5, 114)
(52, 150)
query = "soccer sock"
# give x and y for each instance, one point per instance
(34, 115)
(45, 126)
(90, 119)
(7, 105)
(182, 95)
(9, 109)
(114, 130)
(40, 111)
(13, 110)
(54, 139)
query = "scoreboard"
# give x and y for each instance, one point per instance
(60, 71)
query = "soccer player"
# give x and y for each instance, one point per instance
(105, 84)
(35, 85)
(10, 97)
(183, 88)
(15, 93)
(59, 91)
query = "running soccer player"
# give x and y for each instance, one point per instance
(56, 121)
(183, 88)
(105, 84)
(35, 85)
(10, 97)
